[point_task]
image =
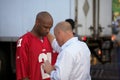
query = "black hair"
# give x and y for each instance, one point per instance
(71, 21)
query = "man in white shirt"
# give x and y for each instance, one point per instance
(73, 61)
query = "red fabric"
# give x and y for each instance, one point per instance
(30, 54)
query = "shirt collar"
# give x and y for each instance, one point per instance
(74, 39)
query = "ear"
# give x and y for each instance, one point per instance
(37, 23)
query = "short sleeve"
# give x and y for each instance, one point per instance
(21, 59)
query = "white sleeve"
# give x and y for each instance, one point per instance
(63, 67)
(55, 46)
(54, 75)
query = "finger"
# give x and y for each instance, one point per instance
(43, 65)
(46, 62)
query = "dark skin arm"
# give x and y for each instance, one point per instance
(50, 37)
(25, 79)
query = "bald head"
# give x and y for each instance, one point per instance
(64, 26)
(63, 32)
(43, 23)
(44, 16)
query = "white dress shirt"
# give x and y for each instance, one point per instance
(73, 62)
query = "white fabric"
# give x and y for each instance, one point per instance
(55, 46)
(73, 62)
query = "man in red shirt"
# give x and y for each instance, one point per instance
(33, 48)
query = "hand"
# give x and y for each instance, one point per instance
(25, 78)
(48, 67)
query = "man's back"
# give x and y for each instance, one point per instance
(76, 57)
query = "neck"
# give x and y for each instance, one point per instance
(67, 38)
(34, 32)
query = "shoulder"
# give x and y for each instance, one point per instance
(24, 39)
(27, 36)
(79, 46)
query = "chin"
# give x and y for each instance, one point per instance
(44, 35)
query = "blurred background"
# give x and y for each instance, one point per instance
(95, 22)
